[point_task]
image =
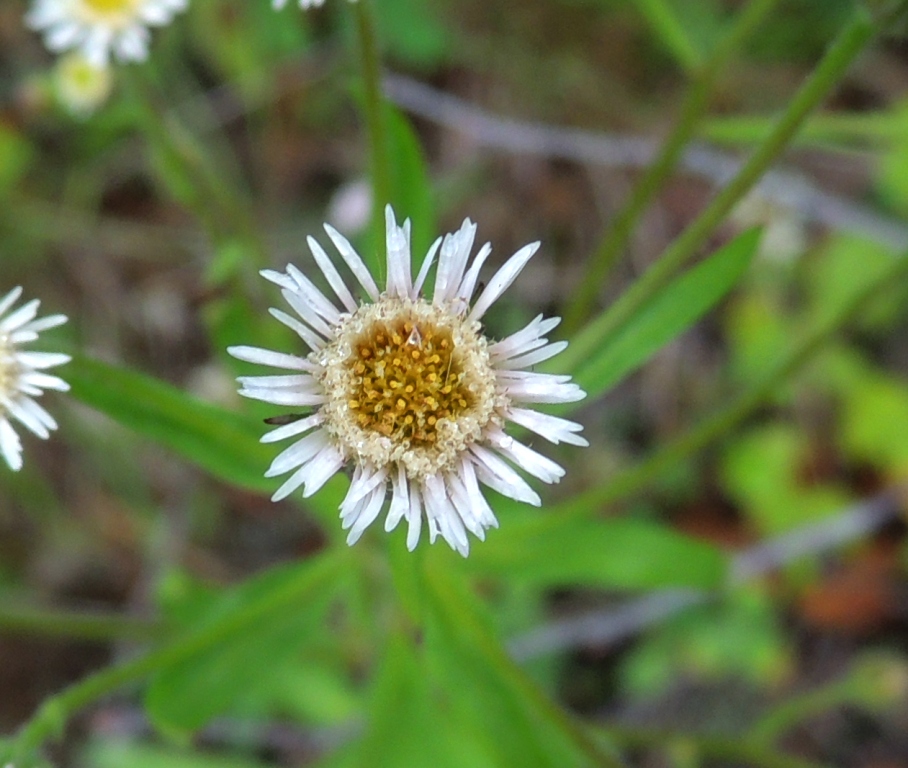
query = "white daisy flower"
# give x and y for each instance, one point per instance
(101, 27)
(81, 87)
(408, 392)
(22, 376)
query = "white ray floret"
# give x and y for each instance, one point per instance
(408, 392)
(101, 28)
(22, 374)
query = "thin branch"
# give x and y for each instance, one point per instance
(787, 188)
(604, 627)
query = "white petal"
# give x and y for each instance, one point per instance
(313, 475)
(353, 260)
(10, 445)
(526, 458)
(525, 340)
(301, 381)
(317, 300)
(20, 411)
(424, 269)
(532, 358)
(309, 336)
(370, 511)
(465, 291)
(43, 381)
(306, 311)
(552, 428)
(400, 499)
(332, 275)
(398, 256)
(11, 298)
(365, 480)
(298, 454)
(41, 359)
(493, 471)
(20, 317)
(480, 506)
(502, 280)
(282, 397)
(414, 517)
(270, 358)
(455, 252)
(293, 429)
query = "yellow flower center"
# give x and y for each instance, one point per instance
(407, 378)
(110, 7)
(408, 383)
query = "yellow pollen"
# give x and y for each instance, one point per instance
(109, 7)
(407, 378)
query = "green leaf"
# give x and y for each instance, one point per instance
(676, 36)
(614, 554)
(220, 441)
(114, 754)
(411, 190)
(503, 709)
(244, 638)
(673, 310)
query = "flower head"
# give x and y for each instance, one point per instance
(81, 86)
(407, 389)
(22, 376)
(101, 27)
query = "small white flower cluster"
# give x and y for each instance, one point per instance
(90, 32)
(22, 374)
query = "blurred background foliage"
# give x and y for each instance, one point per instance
(146, 223)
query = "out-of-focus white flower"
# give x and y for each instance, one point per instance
(22, 376)
(81, 86)
(351, 206)
(785, 232)
(100, 28)
(408, 391)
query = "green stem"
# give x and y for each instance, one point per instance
(850, 41)
(374, 104)
(788, 713)
(55, 711)
(712, 746)
(712, 427)
(692, 110)
(75, 624)
(195, 179)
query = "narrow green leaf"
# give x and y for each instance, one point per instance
(674, 35)
(673, 310)
(222, 442)
(488, 692)
(411, 191)
(613, 553)
(253, 628)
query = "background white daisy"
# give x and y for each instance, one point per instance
(22, 376)
(101, 28)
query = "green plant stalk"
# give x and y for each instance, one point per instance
(374, 105)
(712, 427)
(55, 711)
(716, 747)
(789, 713)
(75, 624)
(215, 200)
(850, 41)
(692, 111)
